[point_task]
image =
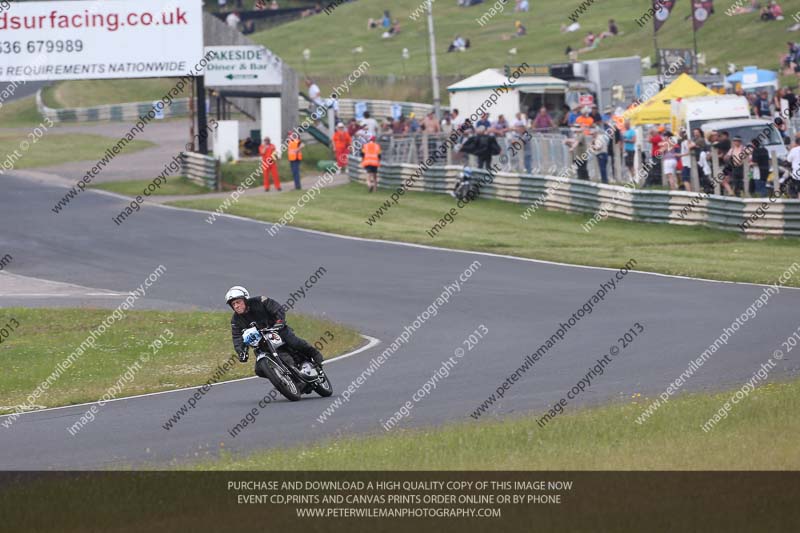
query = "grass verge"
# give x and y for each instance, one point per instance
(200, 342)
(89, 93)
(53, 148)
(174, 186)
(233, 174)
(20, 113)
(496, 226)
(759, 434)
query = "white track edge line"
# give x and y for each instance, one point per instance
(371, 344)
(458, 250)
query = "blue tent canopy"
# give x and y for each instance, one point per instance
(753, 77)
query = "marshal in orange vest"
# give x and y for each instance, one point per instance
(295, 154)
(371, 152)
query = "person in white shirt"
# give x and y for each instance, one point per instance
(370, 125)
(233, 20)
(686, 161)
(793, 183)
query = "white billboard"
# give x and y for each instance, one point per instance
(99, 40)
(242, 65)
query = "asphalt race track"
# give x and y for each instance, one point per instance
(378, 288)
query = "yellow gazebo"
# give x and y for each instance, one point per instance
(657, 109)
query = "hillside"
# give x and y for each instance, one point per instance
(741, 39)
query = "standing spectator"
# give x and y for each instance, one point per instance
(600, 148)
(761, 160)
(370, 161)
(699, 149)
(793, 183)
(430, 124)
(447, 123)
(457, 120)
(735, 159)
(522, 138)
(482, 146)
(629, 138)
(542, 122)
(295, 151)
(399, 126)
(353, 127)
(614, 141)
(580, 156)
(268, 164)
(313, 95)
(585, 122)
(386, 21)
(686, 161)
(233, 20)
(341, 143)
(413, 123)
(222, 5)
(655, 143)
(776, 100)
(654, 170)
(723, 147)
(669, 161)
(521, 6)
(501, 126)
(791, 98)
(595, 114)
(761, 105)
(369, 124)
(484, 121)
(564, 119)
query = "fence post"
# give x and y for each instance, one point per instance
(695, 173)
(218, 174)
(746, 170)
(715, 170)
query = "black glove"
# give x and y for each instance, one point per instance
(243, 356)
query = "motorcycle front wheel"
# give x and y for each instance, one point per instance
(281, 379)
(323, 387)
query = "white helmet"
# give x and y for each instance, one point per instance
(236, 292)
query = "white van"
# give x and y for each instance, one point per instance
(691, 113)
(748, 129)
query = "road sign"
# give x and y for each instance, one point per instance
(586, 100)
(242, 65)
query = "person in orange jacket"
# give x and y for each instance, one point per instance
(294, 149)
(269, 164)
(371, 160)
(341, 143)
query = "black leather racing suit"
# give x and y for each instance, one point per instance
(265, 312)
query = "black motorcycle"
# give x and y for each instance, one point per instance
(466, 188)
(275, 361)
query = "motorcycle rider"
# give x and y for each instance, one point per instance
(266, 312)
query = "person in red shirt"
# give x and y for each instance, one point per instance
(341, 143)
(655, 143)
(269, 164)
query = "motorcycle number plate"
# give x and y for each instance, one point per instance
(275, 339)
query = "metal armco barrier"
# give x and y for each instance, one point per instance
(128, 112)
(201, 169)
(782, 218)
